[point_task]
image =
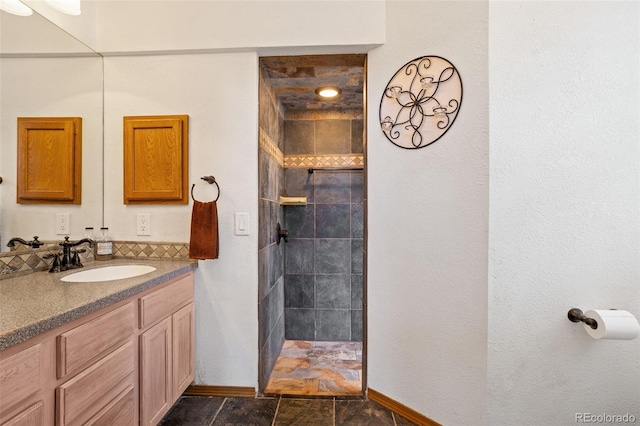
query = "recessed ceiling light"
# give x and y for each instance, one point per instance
(328, 92)
(15, 7)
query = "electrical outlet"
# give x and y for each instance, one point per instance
(62, 223)
(143, 223)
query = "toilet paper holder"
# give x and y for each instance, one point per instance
(576, 315)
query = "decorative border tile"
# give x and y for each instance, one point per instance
(22, 262)
(271, 148)
(14, 263)
(304, 161)
(151, 250)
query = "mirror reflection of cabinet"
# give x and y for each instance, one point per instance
(49, 160)
(156, 159)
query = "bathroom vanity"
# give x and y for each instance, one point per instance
(96, 353)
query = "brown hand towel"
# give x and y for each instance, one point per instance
(204, 231)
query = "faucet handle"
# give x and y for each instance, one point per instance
(36, 243)
(55, 266)
(75, 259)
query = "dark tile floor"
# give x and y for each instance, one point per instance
(279, 411)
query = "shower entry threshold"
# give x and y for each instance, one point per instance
(317, 368)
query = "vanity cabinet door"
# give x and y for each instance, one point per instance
(183, 346)
(155, 373)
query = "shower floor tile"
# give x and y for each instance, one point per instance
(317, 368)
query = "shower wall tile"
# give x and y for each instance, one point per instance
(356, 256)
(280, 126)
(264, 278)
(332, 221)
(275, 266)
(299, 183)
(333, 291)
(270, 256)
(263, 174)
(271, 308)
(300, 221)
(264, 222)
(274, 181)
(357, 136)
(332, 137)
(323, 284)
(333, 256)
(300, 324)
(299, 291)
(333, 324)
(299, 136)
(357, 220)
(357, 187)
(357, 289)
(274, 214)
(332, 187)
(278, 256)
(271, 350)
(299, 256)
(357, 326)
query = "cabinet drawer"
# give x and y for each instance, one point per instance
(83, 396)
(77, 348)
(166, 301)
(32, 416)
(120, 411)
(20, 377)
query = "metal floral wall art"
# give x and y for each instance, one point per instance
(421, 102)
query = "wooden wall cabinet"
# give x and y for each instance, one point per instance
(123, 365)
(49, 160)
(156, 159)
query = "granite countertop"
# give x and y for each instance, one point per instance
(35, 303)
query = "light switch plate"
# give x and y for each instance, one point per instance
(242, 223)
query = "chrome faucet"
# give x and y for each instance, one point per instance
(70, 259)
(35, 243)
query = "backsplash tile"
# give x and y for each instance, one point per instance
(150, 250)
(28, 261)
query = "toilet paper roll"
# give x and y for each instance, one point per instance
(613, 324)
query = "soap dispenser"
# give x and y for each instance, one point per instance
(104, 246)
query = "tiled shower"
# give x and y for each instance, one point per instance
(323, 258)
(311, 287)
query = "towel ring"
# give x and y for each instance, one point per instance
(210, 180)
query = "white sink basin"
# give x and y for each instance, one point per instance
(108, 273)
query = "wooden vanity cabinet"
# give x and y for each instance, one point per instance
(25, 377)
(166, 349)
(123, 365)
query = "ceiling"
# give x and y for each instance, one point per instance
(295, 78)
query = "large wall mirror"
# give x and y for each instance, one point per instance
(45, 72)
